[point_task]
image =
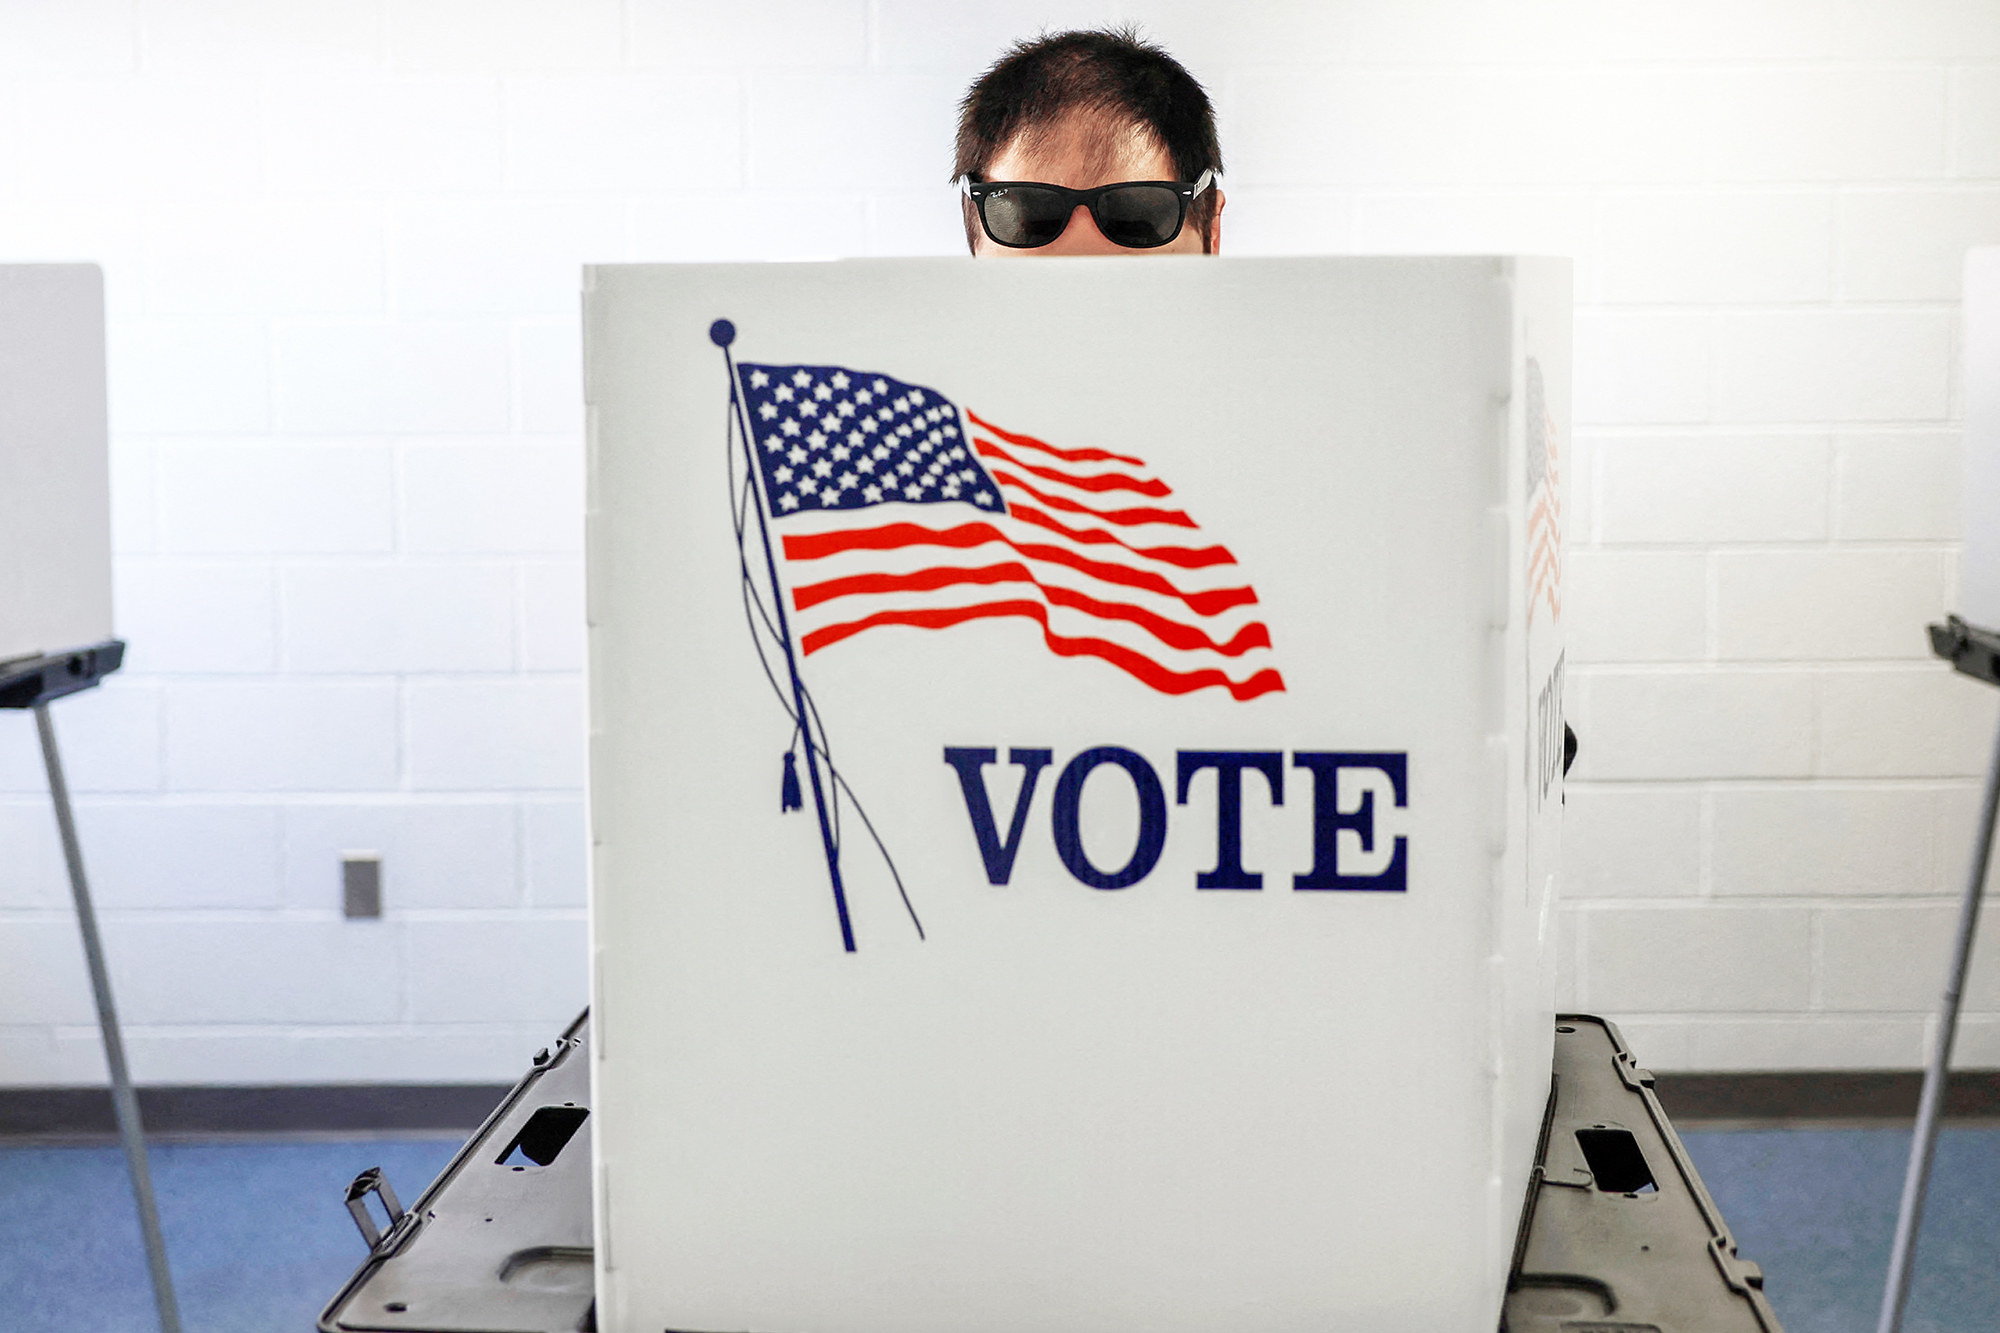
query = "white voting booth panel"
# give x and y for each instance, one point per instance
(1188, 634)
(1979, 580)
(55, 511)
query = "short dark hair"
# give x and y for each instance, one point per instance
(1112, 74)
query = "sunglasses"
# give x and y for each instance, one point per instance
(1142, 215)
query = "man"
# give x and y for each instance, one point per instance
(1104, 113)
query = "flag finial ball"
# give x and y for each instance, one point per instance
(722, 333)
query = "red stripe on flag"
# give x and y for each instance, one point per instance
(809, 595)
(1543, 550)
(1187, 638)
(1172, 633)
(1144, 668)
(1122, 517)
(1067, 455)
(888, 537)
(898, 536)
(1083, 481)
(1183, 557)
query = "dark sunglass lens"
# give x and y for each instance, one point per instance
(1021, 215)
(1142, 216)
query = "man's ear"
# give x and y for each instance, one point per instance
(1212, 241)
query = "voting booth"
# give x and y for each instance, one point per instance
(1075, 781)
(55, 507)
(55, 603)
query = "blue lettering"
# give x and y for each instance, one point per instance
(1152, 817)
(971, 764)
(1329, 820)
(1229, 765)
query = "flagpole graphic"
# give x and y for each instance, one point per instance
(723, 333)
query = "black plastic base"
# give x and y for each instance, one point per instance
(33, 681)
(1619, 1235)
(1976, 652)
(502, 1240)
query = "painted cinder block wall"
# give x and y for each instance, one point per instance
(341, 243)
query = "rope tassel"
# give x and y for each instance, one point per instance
(789, 796)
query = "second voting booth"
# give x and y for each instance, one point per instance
(1075, 788)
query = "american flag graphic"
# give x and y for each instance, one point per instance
(895, 506)
(1544, 502)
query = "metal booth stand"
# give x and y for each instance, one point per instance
(1617, 1232)
(1976, 653)
(34, 684)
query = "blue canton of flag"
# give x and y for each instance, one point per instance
(829, 438)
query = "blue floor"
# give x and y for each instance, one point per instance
(260, 1241)
(257, 1234)
(1817, 1208)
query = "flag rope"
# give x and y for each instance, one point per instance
(722, 333)
(801, 708)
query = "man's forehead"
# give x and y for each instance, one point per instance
(1081, 150)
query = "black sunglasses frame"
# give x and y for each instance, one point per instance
(1185, 193)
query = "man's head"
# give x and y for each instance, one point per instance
(1083, 109)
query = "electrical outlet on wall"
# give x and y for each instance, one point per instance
(361, 884)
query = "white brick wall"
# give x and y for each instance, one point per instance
(341, 240)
